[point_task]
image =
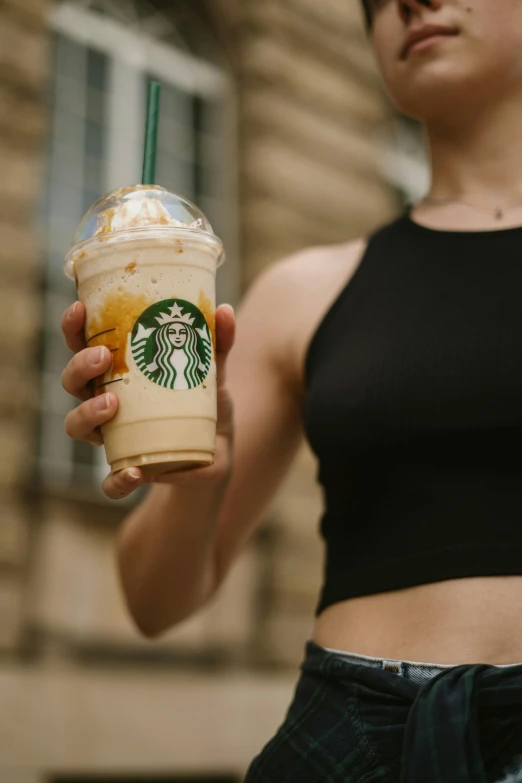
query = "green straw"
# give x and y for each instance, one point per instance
(151, 134)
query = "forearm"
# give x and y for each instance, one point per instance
(166, 554)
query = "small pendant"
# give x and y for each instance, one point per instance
(499, 213)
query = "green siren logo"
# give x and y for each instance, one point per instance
(171, 344)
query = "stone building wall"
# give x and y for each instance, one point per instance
(310, 112)
(23, 71)
(313, 117)
(311, 106)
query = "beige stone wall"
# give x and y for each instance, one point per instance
(23, 70)
(312, 111)
(77, 606)
(309, 106)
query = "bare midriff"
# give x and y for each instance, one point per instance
(459, 621)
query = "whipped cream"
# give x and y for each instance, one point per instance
(136, 213)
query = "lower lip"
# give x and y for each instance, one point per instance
(427, 43)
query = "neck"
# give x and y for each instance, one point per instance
(479, 159)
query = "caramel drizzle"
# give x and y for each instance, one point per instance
(106, 331)
(112, 350)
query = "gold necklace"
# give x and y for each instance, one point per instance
(498, 212)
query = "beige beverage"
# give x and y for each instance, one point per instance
(144, 261)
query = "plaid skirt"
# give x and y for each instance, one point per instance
(355, 719)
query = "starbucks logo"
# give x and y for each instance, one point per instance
(171, 344)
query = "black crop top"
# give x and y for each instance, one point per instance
(414, 409)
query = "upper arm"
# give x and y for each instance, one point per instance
(267, 421)
(265, 378)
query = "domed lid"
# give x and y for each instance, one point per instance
(138, 207)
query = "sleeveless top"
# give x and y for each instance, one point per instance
(413, 407)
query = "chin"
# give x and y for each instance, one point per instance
(437, 93)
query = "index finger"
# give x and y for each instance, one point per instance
(73, 324)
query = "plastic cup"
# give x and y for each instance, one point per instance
(144, 260)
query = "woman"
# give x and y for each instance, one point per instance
(400, 358)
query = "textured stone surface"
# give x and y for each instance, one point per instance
(21, 171)
(309, 109)
(30, 13)
(20, 318)
(77, 595)
(18, 249)
(11, 611)
(14, 533)
(23, 71)
(16, 452)
(22, 121)
(118, 721)
(285, 636)
(23, 54)
(19, 393)
(312, 112)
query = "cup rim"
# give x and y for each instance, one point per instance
(114, 237)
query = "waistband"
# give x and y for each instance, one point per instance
(410, 670)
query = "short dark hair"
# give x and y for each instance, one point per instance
(367, 12)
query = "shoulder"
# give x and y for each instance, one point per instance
(312, 272)
(290, 298)
(309, 267)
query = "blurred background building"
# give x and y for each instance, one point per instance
(273, 120)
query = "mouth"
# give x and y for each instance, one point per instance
(423, 37)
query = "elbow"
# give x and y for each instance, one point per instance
(151, 618)
(153, 621)
(156, 607)
(140, 615)
(150, 625)
(138, 609)
(145, 620)
(146, 628)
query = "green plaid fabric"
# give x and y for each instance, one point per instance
(356, 724)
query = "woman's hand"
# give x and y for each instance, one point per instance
(84, 422)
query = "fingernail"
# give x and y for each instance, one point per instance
(102, 402)
(71, 312)
(133, 475)
(97, 357)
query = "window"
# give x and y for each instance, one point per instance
(101, 70)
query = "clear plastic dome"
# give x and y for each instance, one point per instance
(134, 208)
